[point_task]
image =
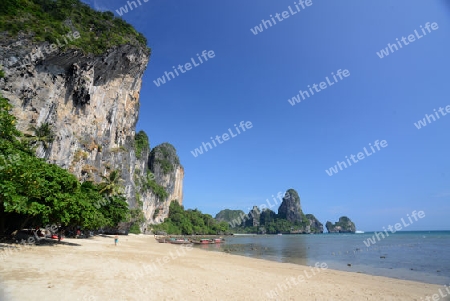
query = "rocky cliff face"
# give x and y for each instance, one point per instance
(344, 225)
(166, 171)
(254, 217)
(92, 105)
(290, 208)
(314, 225)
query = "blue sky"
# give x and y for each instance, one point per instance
(251, 79)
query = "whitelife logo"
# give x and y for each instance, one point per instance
(430, 118)
(224, 136)
(286, 14)
(397, 226)
(187, 66)
(124, 9)
(323, 85)
(411, 38)
(360, 156)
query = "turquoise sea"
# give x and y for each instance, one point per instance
(420, 256)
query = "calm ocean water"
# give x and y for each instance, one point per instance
(420, 256)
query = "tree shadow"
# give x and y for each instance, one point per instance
(8, 243)
(52, 242)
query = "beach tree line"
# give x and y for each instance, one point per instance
(190, 222)
(34, 192)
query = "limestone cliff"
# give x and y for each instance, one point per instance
(344, 225)
(290, 208)
(165, 178)
(314, 225)
(232, 217)
(92, 105)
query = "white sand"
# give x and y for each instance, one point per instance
(137, 269)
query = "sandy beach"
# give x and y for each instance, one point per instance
(139, 268)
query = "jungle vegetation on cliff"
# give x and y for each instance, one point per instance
(48, 20)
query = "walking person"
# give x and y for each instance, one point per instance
(116, 240)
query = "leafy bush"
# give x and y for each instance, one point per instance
(134, 229)
(189, 222)
(159, 190)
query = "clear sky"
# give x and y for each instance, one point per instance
(251, 77)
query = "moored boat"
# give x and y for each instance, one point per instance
(180, 241)
(162, 240)
(203, 241)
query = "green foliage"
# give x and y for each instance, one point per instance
(35, 192)
(2, 74)
(188, 222)
(272, 223)
(141, 143)
(116, 210)
(159, 190)
(163, 155)
(135, 217)
(292, 193)
(135, 229)
(149, 183)
(229, 216)
(155, 214)
(111, 184)
(345, 224)
(138, 199)
(165, 165)
(42, 133)
(49, 20)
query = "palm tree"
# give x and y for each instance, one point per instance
(111, 184)
(42, 133)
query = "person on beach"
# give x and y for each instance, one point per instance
(116, 239)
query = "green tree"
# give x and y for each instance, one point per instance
(33, 192)
(43, 134)
(111, 184)
(190, 221)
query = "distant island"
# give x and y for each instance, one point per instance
(344, 225)
(290, 219)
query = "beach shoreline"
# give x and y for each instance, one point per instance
(140, 268)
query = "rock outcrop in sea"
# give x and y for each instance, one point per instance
(290, 218)
(344, 225)
(290, 208)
